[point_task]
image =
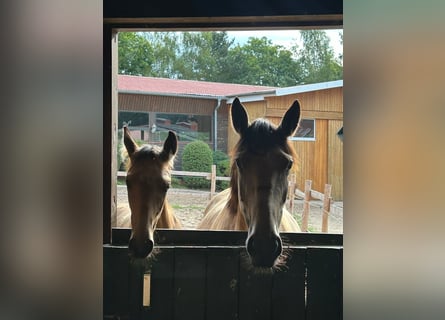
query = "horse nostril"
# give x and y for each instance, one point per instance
(277, 246)
(252, 246)
(149, 246)
(140, 250)
(264, 251)
(131, 244)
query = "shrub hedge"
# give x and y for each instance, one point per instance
(197, 157)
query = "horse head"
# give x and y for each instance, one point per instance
(263, 159)
(148, 179)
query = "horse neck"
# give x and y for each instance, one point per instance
(167, 220)
(233, 203)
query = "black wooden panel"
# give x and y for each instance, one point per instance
(222, 283)
(162, 286)
(107, 281)
(165, 237)
(341, 282)
(116, 285)
(135, 290)
(324, 283)
(255, 301)
(190, 284)
(288, 291)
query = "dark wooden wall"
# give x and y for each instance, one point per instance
(204, 275)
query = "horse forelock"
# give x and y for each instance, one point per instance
(260, 137)
(147, 152)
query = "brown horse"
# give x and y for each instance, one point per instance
(258, 189)
(148, 179)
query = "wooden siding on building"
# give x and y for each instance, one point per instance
(166, 104)
(335, 155)
(321, 160)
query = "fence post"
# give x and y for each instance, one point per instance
(307, 198)
(213, 181)
(291, 192)
(326, 207)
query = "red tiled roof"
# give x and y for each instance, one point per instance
(184, 87)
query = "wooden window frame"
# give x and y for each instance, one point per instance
(196, 16)
(294, 138)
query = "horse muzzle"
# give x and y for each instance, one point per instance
(140, 249)
(264, 251)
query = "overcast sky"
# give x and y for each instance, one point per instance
(286, 38)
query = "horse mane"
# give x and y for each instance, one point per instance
(168, 219)
(259, 138)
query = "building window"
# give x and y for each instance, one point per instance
(305, 131)
(186, 126)
(137, 122)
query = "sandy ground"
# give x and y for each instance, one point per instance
(189, 206)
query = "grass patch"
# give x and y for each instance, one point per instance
(300, 221)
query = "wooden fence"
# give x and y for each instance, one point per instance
(203, 275)
(207, 175)
(307, 195)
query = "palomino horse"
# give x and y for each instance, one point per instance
(258, 189)
(148, 179)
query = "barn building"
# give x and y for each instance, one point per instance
(200, 110)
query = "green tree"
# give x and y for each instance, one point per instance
(135, 54)
(203, 56)
(316, 58)
(211, 56)
(166, 47)
(262, 63)
(341, 41)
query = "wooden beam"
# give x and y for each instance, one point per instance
(229, 13)
(207, 238)
(228, 23)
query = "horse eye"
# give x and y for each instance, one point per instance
(289, 165)
(238, 163)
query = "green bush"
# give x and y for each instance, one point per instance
(222, 162)
(197, 157)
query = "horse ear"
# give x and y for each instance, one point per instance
(130, 144)
(240, 119)
(290, 120)
(170, 146)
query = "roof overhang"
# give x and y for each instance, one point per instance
(248, 97)
(176, 95)
(259, 96)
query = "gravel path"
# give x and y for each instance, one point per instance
(189, 206)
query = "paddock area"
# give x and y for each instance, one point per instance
(189, 206)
